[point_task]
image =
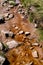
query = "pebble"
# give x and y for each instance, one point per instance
(21, 32)
(35, 53)
(11, 16)
(27, 33)
(12, 44)
(16, 28)
(11, 34)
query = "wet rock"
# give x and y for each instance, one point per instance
(2, 20)
(27, 33)
(35, 53)
(2, 59)
(12, 44)
(35, 44)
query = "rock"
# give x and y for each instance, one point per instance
(11, 34)
(36, 26)
(2, 20)
(7, 33)
(27, 33)
(11, 16)
(35, 53)
(21, 32)
(2, 59)
(12, 44)
(1, 47)
(35, 44)
(16, 28)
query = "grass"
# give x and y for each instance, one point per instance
(40, 31)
